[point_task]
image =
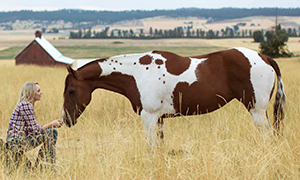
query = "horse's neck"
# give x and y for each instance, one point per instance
(117, 73)
(116, 82)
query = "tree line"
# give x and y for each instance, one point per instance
(178, 32)
(92, 18)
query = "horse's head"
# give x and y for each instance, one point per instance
(77, 95)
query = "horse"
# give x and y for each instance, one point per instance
(161, 84)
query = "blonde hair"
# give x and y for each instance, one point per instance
(27, 92)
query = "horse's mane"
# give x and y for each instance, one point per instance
(96, 60)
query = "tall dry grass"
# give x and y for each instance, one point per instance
(108, 142)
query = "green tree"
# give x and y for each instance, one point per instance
(236, 28)
(112, 35)
(79, 33)
(223, 33)
(188, 33)
(269, 35)
(258, 36)
(198, 33)
(102, 34)
(202, 33)
(88, 34)
(210, 34)
(294, 32)
(231, 33)
(73, 35)
(155, 32)
(54, 30)
(131, 33)
(141, 33)
(151, 31)
(166, 34)
(275, 45)
(160, 33)
(125, 33)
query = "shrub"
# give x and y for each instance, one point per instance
(275, 45)
(258, 36)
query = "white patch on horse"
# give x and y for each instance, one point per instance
(155, 84)
(262, 77)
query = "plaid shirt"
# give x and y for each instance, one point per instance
(22, 122)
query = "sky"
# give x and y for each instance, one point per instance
(119, 5)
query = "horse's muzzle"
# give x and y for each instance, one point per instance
(67, 120)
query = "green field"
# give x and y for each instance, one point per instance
(90, 52)
(108, 141)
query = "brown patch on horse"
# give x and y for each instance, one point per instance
(264, 58)
(220, 78)
(145, 60)
(210, 89)
(175, 64)
(129, 90)
(91, 70)
(159, 62)
(274, 65)
(239, 77)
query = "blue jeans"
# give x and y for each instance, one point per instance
(48, 137)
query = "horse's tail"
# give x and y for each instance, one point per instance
(280, 99)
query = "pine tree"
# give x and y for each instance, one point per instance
(275, 45)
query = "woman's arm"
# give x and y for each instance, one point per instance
(28, 113)
(54, 124)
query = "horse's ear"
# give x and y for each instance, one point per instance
(71, 71)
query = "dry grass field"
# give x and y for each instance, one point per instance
(108, 141)
(252, 23)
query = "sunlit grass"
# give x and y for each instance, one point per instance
(108, 141)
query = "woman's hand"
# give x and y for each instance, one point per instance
(56, 123)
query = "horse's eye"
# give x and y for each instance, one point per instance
(71, 91)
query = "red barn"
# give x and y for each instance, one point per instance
(41, 52)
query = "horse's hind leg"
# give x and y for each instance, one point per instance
(262, 79)
(260, 118)
(258, 110)
(257, 105)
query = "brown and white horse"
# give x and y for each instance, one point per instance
(162, 84)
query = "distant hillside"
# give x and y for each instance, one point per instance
(108, 17)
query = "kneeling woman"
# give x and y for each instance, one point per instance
(23, 127)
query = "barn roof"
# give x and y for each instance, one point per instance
(52, 51)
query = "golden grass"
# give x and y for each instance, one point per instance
(108, 142)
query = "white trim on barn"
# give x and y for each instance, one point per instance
(53, 52)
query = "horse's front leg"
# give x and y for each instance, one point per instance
(149, 122)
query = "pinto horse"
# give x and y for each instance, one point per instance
(162, 84)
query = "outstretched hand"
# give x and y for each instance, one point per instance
(57, 123)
